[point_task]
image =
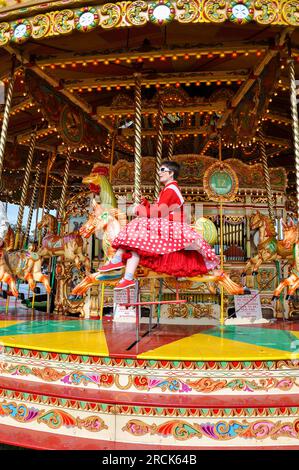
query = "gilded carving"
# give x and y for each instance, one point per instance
(63, 21)
(187, 11)
(110, 15)
(215, 11)
(41, 26)
(178, 311)
(4, 33)
(290, 12)
(266, 11)
(137, 13)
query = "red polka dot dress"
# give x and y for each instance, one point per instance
(163, 240)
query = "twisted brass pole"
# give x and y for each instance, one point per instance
(64, 186)
(50, 196)
(32, 204)
(171, 147)
(25, 188)
(295, 123)
(159, 147)
(6, 115)
(266, 172)
(137, 143)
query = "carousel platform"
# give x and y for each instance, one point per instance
(68, 383)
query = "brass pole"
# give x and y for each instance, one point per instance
(6, 115)
(295, 122)
(221, 246)
(25, 188)
(64, 186)
(51, 160)
(159, 147)
(171, 147)
(266, 172)
(137, 144)
(112, 156)
(33, 200)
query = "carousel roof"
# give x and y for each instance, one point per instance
(75, 74)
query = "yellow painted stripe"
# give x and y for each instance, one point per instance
(6, 323)
(202, 347)
(88, 342)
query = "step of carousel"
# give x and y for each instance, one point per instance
(114, 403)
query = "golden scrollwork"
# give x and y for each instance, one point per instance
(41, 26)
(178, 311)
(187, 11)
(64, 21)
(110, 15)
(266, 11)
(4, 33)
(137, 13)
(290, 12)
(215, 11)
(203, 311)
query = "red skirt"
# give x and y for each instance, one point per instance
(164, 246)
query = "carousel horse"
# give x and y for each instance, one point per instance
(26, 265)
(23, 264)
(110, 221)
(68, 246)
(269, 248)
(6, 274)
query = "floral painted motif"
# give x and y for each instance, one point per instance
(54, 418)
(221, 430)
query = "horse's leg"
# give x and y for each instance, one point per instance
(228, 284)
(250, 266)
(84, 285)
(293, 287)
(29, 278)
(9, 280)
(283, 284)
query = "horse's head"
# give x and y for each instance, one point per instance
(48, 221)
(290, 233)
(97, 220)
(256, 220)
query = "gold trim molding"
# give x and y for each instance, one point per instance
(138, 13)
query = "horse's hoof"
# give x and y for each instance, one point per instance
(275, 297)
(254, 273)
(246, 291)
(243, 274)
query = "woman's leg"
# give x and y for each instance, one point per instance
(117, 258)
(131, 266)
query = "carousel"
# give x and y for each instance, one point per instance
(197, 345)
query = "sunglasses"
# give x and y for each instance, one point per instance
(164, 170)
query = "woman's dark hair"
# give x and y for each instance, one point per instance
(172, 166)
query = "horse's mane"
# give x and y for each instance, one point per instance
(270, 229)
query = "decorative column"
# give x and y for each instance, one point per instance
(6, 115)
(25, 188)
(32, 204)
(138, 143)
(295, 123)
(159, 147)
(267, 177)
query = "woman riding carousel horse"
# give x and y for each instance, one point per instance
(159, 239)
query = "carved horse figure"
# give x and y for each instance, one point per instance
(269, 248)
(69, 246)
(24, 264)
(110, 222)
(6, 274)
